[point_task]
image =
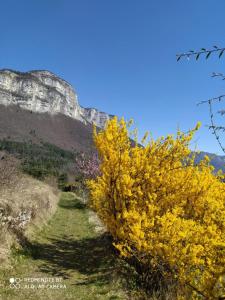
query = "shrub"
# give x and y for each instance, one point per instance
(161, 208)
(62, 180)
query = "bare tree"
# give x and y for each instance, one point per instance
(203, 52)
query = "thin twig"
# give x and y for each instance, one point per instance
(219, 98)
(218, 75)
(213, 127)
(197, 54)
(196, 290)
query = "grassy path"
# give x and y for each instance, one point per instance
(67, 249)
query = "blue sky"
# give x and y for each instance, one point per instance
(120, 55)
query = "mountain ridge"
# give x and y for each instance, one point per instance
(43, 91)
(218, 161)
(40, 106)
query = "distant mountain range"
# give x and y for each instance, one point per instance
(38, 106)
(218, 161)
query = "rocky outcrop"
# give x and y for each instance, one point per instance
(94, 116)
(44, 92)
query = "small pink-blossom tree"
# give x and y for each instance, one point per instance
(88, 166)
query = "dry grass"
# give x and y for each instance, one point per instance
(68, 247)
(8, 170)
(24, 201)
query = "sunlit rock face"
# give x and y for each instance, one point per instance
(43, 91)
(94, 116)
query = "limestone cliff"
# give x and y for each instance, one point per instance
(44, 92)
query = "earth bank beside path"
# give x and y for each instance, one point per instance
(67, 259)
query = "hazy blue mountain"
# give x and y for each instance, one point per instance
(218, 161)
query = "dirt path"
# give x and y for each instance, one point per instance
(67, 250)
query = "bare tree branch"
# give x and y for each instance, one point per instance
(207, 52)
(203, 51)
(214, 127)
(218, 75)
(219, 98)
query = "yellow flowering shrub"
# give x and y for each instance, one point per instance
(161, 207)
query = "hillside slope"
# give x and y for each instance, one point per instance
(24, 203)
(17, 124)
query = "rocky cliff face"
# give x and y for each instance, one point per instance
(44, 92)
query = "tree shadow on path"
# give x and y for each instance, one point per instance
(92, 257)
(63, 256)
(75, 203)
